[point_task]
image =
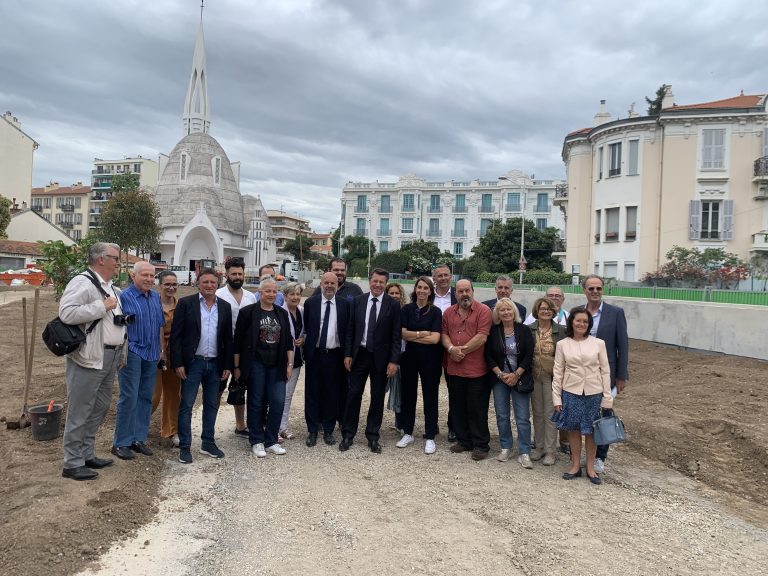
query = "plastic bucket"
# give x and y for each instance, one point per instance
(45, 425)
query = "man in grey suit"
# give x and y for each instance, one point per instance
(610, 325)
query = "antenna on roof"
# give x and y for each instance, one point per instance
(202, 5)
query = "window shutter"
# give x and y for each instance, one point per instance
(694, 220)
(728, 220)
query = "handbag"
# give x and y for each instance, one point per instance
(394, 400)
(236, 394)
(608, 430)
(525, 382)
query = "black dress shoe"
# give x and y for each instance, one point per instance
(375, 446)
(98, 462)
(571, 476)
(345, 444)
(123, 452)
(312, 439)
(451, 436)
(79, 473)
(141, 448)
(329, 439)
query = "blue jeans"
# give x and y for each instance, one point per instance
(206, 373)
(266, 394)
(521, 404)
(134, 405)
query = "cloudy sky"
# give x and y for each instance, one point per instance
(309, 94)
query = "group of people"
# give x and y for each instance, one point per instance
(563, 367)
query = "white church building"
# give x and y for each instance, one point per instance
(203, 215)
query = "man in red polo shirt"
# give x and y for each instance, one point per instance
(466, 326)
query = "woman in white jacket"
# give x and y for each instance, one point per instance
(581, 386)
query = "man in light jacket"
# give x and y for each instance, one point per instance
(91, 368)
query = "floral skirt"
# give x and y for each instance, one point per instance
(578, 413)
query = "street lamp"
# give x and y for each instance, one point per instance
(521, 263)
(368, 238)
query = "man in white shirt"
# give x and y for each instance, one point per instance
(445, 297)
(555, 294)
(238, 298)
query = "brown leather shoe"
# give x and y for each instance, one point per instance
(478, 454)
(458, 448)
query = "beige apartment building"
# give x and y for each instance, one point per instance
(64, 206)
(101, 181)
(695, 176)
(286, 227)
(16, 155)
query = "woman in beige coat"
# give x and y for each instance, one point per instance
(581, 386)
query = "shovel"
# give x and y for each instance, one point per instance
(29, 352)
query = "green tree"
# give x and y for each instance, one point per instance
(758, 267)
(654, 106)
(394, 261)
(473, 266)
(130, 219)
(299, 247)
(694, 268)
(356, 247)
(61, 262)
(5, 215)
(335, 244)
(500, 247)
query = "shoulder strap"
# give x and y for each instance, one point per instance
(88, 274)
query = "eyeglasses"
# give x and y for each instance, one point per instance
(543, 309)
(555, 296)
(174, 285)
(595, 289)
(115, 258)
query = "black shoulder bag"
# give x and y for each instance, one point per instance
(61, 338)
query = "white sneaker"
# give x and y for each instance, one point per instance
(276, 449)
(504, 455)
(175, 440)
(599, 466)
(406, 440)
(258, 451)
(429, 447)
(525, 461)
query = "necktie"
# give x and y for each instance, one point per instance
(324, 330)
(371, 325)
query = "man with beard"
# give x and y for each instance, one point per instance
(347, 290)
(466, 326)
(238, 298)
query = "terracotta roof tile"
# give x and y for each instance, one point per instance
(742, 101)
(579, 132)
(16, 247)
(62, 191)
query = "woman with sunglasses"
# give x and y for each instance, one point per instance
(167, 385)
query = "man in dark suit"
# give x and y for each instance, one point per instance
(610, 325)
(371, 350)
(504, 290)
(445, 297)
(325, 321)
(346, 290)
(201, 354)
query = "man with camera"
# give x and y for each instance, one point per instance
(90, 301)
(142, 314)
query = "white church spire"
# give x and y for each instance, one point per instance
(196, 107)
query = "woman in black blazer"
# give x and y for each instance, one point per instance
(264, 359)
(509, 354)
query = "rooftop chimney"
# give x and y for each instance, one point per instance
(669, 99)
(602, 115)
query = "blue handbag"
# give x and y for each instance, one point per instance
(608, 430)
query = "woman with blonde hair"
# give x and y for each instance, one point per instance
(509, 355)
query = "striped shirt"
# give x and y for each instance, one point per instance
(144, 333)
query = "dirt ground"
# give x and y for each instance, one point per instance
(702, 415)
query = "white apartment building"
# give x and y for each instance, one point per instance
(286, 227)
(101, 181)
(694, 176)
(65, 206)
(454, 215)
(16, 155)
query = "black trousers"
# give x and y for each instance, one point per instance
(324, 378)
(364, 368)
(468, 399)
(412, 367)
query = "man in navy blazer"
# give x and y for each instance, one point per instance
(504, 290)
(325, 377)
(610, 325)
(371, 350)
(201, 354)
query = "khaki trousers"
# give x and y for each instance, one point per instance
(167, 388)
(544, 430)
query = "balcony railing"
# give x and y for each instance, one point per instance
(486, 209)
(761, 167)
(434, 209)
(361, 209)
(408, 208)
(361, 232)
(460, 209)
(513, 208)
(384, 232)
(67, 207)
(543, 208)
(459, 233)
(434, 233)
(614, 172)
(37, 208)
(385, 209)
(66, 225)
